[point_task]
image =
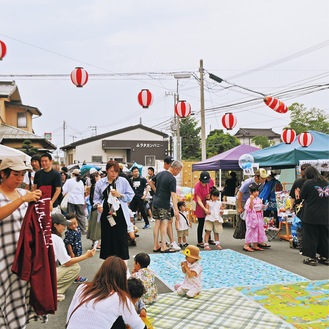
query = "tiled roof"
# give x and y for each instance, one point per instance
(8, 88)
(10, 132)
(253, 132)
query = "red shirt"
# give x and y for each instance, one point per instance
(202, 191)
(35, 259)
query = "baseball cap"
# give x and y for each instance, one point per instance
(92, 171)
(261, 172)
(60, 219)
(204, 177)
(14, 163)
(168, 159)
(76, 172)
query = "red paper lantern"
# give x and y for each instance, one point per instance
(145, 98)
(79, 76)
(229, 121)
(3, 50)
(305, 139)
(275, 104)
(183, 109)
(288, 135)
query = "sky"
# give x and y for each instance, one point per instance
(258, 47)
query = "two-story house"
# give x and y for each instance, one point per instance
(245, 135)
(16, 120)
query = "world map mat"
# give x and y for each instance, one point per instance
(222, 269)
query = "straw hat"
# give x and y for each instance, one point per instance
(192, 251)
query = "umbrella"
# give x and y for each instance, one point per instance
(84, 170)
(139, 166)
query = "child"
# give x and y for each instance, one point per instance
(72, 241)
(136, 290)
(132, 230)
(182, 225)
(214, 220)
(141, 271)
(192, 284)
(255, 232)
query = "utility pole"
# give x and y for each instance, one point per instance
(64, 131)
(179, 76)
(94, 130)
(203, 121)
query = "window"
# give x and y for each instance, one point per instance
(96, 158)
(149, 160)
(21, 120)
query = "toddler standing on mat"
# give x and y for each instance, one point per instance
(191, 267)
(182, 225)
(214, 220)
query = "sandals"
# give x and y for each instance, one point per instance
(323, 260)
(218, 247)
(263, 245)
(247, 248)
(167, 251)
(200, 245)
(258, 249)
(310, 261)
(206, 247)
(157, 250)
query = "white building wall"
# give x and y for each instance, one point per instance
(84, 152)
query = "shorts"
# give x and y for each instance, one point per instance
(215, 226)
(182, 233)
(161, 213)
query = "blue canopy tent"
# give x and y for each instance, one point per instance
(228, 160)
(288, 155)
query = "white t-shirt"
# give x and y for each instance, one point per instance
(214, 208)
(76, 191)
(103, 314)
(60, 251)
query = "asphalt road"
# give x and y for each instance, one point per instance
(280, 254)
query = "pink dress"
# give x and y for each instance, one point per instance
(255, 222)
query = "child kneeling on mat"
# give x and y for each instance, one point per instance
(191, 267)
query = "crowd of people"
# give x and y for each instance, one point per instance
(114, 298)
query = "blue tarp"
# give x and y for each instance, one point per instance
(228, 160)
(288, 155)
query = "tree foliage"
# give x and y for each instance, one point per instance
(190, 139)
(218, 142)
(28, 148)
(261, 141)
(303, 119)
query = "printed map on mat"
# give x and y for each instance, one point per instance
(222, 268)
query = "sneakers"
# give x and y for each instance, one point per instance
(80, 279)
(146, 226)
(175, 246)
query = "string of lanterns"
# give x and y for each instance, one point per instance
(79, 77)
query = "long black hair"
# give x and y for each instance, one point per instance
(312, 173)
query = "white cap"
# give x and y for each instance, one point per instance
(92, 171)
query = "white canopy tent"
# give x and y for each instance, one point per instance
(6, 151)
